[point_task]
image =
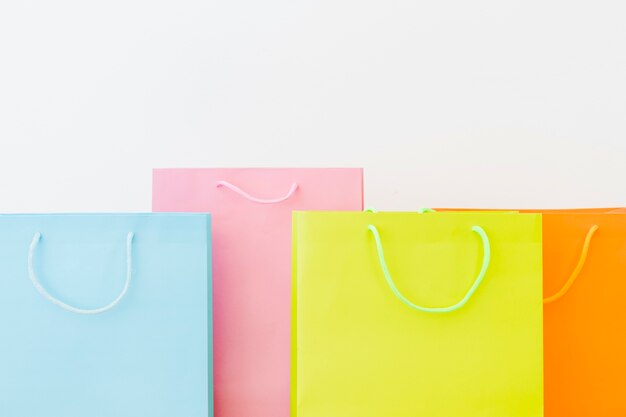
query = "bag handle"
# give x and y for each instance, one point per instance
(57, 302)
(479, 279)
(249, 197)
(579, 266)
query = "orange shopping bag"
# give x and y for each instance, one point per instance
(584, 269)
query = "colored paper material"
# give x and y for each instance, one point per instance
(584, 264)
(359, 350)
(105, 315)
(584, 314)
(252, 210)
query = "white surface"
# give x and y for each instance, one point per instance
(445, 103)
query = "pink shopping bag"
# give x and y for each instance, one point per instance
(251, 212)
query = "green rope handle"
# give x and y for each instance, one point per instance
(479, 279)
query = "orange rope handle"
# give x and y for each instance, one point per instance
(576, 272)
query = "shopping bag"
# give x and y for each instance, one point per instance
(251, 211)
(411, 315)
(584, 314)
(105, 315)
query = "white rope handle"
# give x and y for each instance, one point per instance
(56, 301)
(254, 199)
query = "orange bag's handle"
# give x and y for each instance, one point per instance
(579, 267)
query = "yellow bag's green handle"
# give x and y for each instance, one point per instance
(576, 271)
(481, 275)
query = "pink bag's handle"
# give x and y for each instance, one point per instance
(254, 199)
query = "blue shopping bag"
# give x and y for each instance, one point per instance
(105, 315)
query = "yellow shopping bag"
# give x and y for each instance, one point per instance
(411, 315)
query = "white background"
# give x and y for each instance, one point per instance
(444, 103)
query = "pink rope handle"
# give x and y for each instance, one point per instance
(254, 199)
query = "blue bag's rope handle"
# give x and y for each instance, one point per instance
(57, 302)
(479, 279)
(249, 197)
